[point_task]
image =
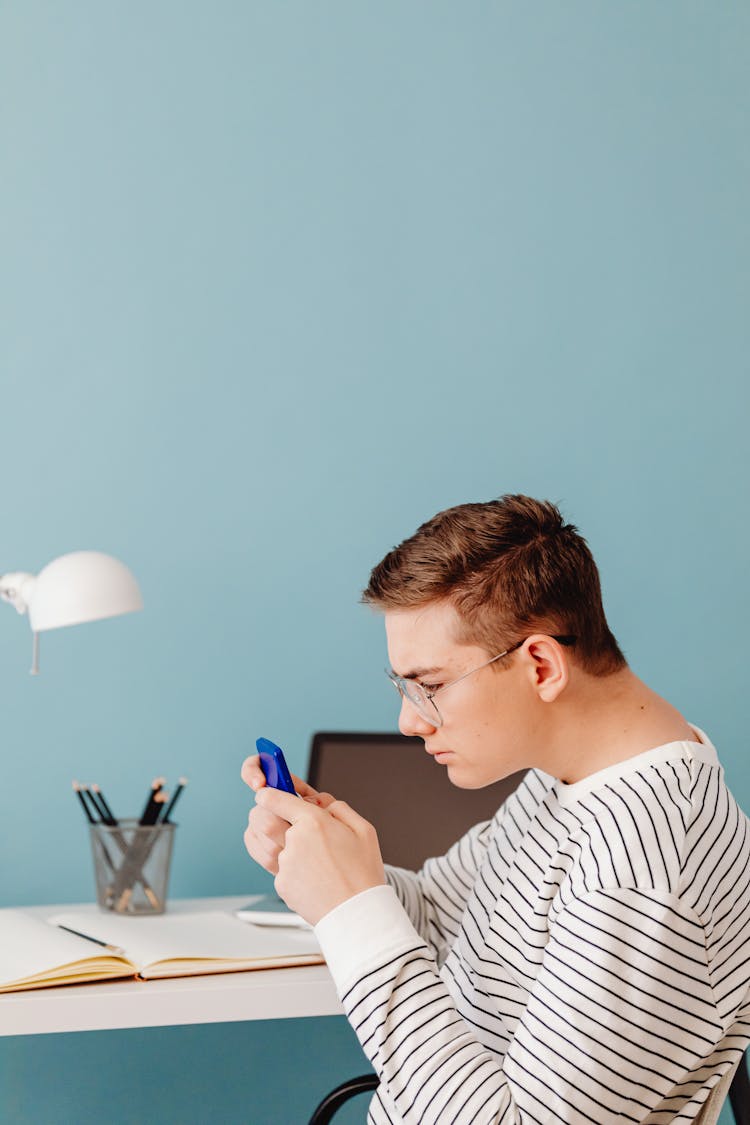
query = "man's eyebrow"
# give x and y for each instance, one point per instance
(418, 673)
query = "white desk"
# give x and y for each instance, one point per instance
(221, 998)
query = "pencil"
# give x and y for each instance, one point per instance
(160, 799)
(148, 808)
(85, 797)
(95, 801)
(77, 790)
(131, 870)
(97, 941)
(89, 799)
(104, 804)
(173, 802)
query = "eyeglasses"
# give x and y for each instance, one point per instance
(422, 696)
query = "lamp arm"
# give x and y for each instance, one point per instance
(17, 589)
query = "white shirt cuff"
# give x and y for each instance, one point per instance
(364, 931)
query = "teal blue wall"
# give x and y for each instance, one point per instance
(277, 282)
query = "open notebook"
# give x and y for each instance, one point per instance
(35, 954)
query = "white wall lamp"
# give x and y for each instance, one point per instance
(82, 586)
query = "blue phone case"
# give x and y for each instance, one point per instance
(274, 766)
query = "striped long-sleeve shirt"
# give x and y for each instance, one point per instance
(582, 957)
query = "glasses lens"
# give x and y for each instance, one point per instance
(418, 698)
(423, 704)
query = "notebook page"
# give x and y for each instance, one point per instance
(210, 935)
(31, 947)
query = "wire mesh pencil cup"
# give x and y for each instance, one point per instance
(131, 865)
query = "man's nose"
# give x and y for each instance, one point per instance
(410, 721)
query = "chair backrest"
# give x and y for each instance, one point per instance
(398, 787)
(732, 1080)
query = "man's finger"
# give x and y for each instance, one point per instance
(303, 788)
(252, 774)
(339, 810)
(285, 805)
(267, 824)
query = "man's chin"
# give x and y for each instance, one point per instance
(463, 779)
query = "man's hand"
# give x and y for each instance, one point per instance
(329, 855)
(265, 833)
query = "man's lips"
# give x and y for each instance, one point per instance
(436, 751)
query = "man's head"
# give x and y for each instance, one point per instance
(508, 567)
(472, 582)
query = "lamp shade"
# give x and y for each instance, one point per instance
(81, 586)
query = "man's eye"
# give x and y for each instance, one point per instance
(430, 687)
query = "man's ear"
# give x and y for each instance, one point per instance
(548, 665)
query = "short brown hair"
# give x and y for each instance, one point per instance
(509, 567)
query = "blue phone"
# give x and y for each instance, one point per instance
(274, 766)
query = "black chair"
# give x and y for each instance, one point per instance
(334, 1101)
(739, 1093)
(394, 783)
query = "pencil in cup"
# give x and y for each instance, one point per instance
(88, 803)
(99, 801)
(147, 839)
(94, 799)
(134, 855)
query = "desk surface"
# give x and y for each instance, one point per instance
(263, 994)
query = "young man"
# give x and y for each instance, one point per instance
(583, 956)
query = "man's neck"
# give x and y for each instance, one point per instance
(605, 720)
